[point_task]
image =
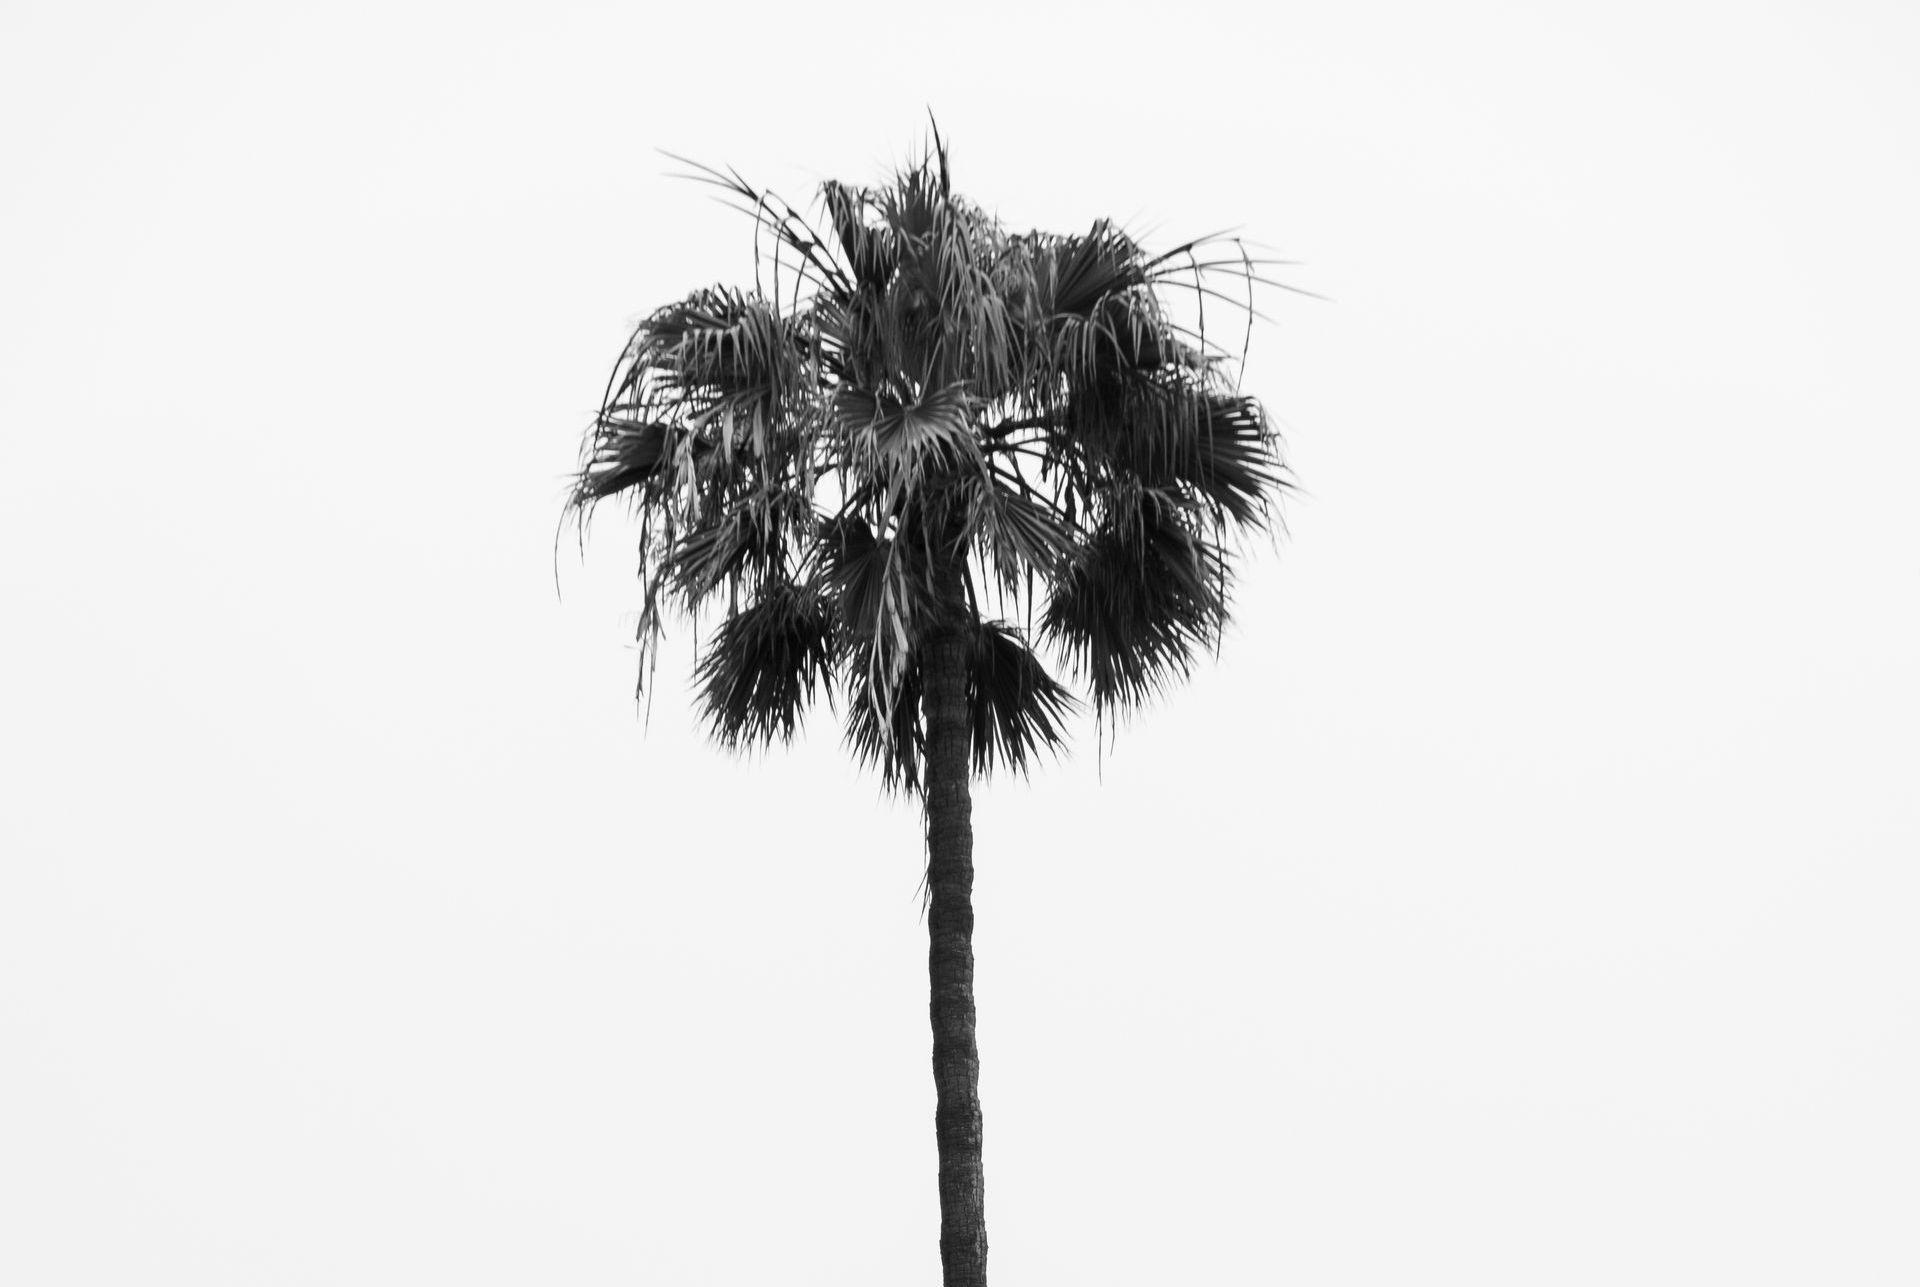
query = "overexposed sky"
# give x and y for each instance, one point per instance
(1526, 895)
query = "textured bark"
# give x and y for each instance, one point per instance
(956, 1057)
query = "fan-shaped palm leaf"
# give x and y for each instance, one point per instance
(1016, 708)
(1139, 603)
(764, 664)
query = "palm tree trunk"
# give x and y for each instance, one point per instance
(956, 1058)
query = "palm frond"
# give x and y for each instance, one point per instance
(622, 455)
(883, 726)
(764, 664)
(756, 537)
(1019, 530)
(772, 214)
(1089, 269)
(1017, 708)
(1232, 462)
(722, 355)
(868, 577)
(1167, 428)
(869, 246)
(1141, 601)
(908, 442)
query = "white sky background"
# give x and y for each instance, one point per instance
(1526, 896)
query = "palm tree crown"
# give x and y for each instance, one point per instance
(923, 422)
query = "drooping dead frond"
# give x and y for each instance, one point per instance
(884, 727)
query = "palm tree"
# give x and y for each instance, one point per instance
(909, 435)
